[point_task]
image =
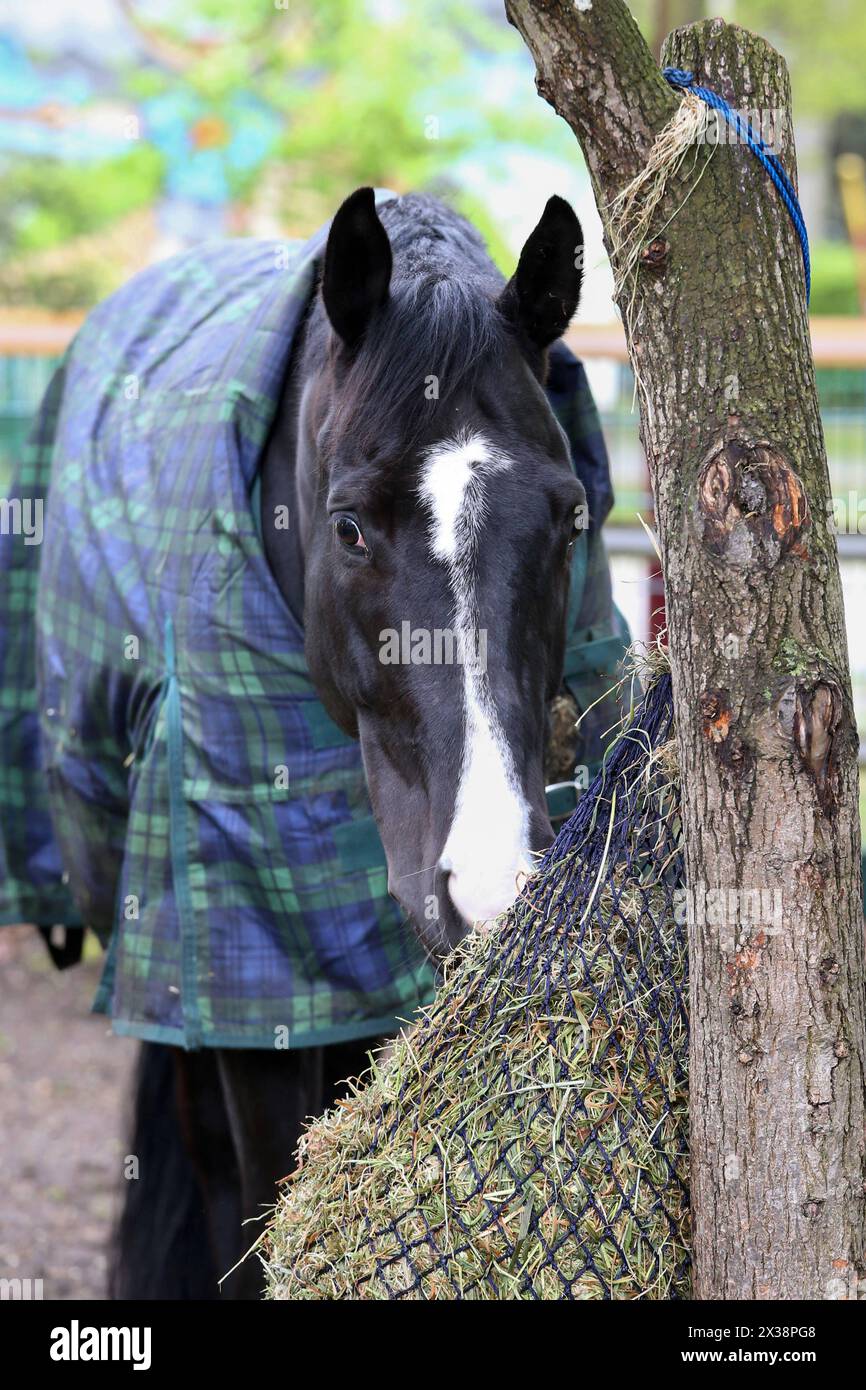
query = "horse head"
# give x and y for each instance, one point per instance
(439, 510)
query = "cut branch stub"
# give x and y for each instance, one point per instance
(818, 723)
(716, 715)
(654, 256)
(730, 749)
(751, 507)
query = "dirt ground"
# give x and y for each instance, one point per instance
(64, 1081)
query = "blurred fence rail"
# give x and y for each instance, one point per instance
(836, 342)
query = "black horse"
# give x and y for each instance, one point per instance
(432, 483)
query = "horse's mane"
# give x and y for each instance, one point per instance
(440, 321)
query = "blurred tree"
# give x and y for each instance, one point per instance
(665, 15)
(386, 92)
(277, 108)
(45, 202)
(824, 44)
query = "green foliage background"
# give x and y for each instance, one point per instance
(354, 82)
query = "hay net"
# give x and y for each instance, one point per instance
(527, 1138)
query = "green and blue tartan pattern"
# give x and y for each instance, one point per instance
(168, 775)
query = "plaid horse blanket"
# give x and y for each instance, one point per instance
(168, 776)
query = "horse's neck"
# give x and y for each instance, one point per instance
(283, 487)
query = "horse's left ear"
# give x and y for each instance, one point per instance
(357, 270)
(542, 294)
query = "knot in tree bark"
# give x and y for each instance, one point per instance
(751, 505)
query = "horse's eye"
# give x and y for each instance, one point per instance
(349, 533)
(575, 528)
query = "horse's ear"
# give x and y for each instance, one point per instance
(542, 294)
(357, 266)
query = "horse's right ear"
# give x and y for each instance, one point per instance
(357, 270)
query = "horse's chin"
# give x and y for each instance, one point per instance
(439, 935)
(440, 938)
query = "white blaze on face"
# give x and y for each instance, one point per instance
(488, 843)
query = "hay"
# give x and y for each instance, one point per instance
(635, 208)
(560, 754)
(526, 1138)
(632, 216)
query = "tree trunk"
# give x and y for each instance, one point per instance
(717, 328)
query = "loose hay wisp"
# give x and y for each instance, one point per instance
(526, 1138)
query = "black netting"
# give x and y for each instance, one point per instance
(528, 1137)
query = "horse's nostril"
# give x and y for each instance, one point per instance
(440, 879)
(442, 883)
(441, 888)
(452, 924)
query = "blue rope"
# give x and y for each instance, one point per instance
(679, 77)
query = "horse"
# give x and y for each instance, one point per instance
(455, 509)
(431, 490)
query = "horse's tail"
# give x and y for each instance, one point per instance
(160, 1248)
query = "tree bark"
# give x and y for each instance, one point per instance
(717, 329)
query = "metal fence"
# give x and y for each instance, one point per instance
(23, 379)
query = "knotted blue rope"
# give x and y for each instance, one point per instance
(679, 77)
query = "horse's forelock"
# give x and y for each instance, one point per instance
(428, 344)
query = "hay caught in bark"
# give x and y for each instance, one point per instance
(526, 1138)
(632, 217)
(634, 210)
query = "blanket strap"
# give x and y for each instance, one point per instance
(179, 847)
